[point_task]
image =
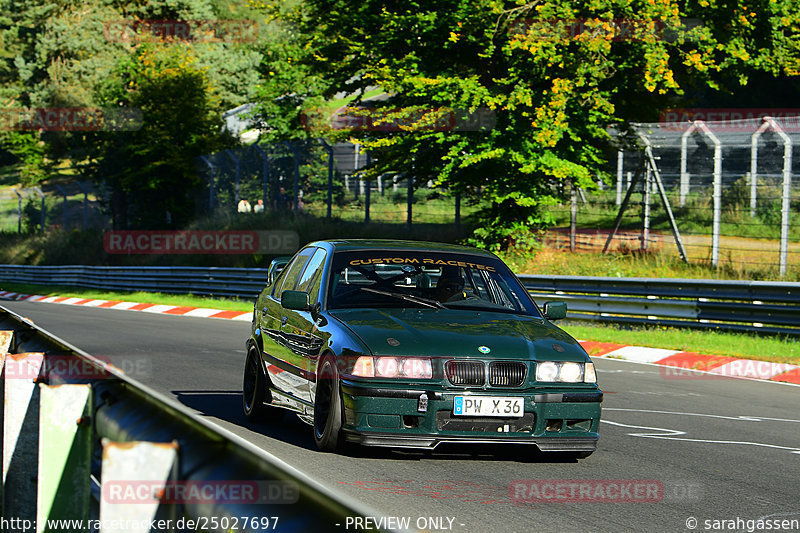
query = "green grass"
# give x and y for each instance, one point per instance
(749, 346)
(746, 345)
(189, 300)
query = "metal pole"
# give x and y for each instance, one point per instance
(754, 165)
(85, 220)
(699, 124)
(458, 210)
(366, 203)
(684, 186)
(19, 210)
(64, 208)
(296, 188)
(410, 201)
(329, 149)
(660, 188)
(42, 213)
(211, 182)
(622, 207)
(235, 159)
(573, 216)
(264, 174)
(646, 193)
(786, 195)
(620, 165)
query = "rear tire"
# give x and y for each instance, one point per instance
(328, 409)
(255, 389)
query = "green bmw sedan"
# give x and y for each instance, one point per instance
(411, 345)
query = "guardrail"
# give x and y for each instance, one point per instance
(75, 427)
(770, 307)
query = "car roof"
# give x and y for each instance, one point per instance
(392, 244)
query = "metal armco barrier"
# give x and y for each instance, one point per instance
(770, 307)
(79, 429)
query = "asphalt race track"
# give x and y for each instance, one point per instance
(720, 448)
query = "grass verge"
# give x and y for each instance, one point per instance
(749, 346)
(745, 345)
(224, 304)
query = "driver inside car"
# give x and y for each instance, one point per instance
(450, 284)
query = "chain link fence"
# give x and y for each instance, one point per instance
(728, 185)
(325, 180)
(75, 205)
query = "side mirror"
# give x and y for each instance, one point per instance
(555, 310)
(276, 267)
(295, 300)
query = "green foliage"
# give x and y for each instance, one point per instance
(552, 91)
(152, 171)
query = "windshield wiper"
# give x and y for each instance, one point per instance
(436, 304)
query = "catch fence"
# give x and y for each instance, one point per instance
(727, 183)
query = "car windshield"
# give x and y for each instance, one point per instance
(392, 278)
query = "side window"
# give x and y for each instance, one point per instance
(289, 278)
(311, 278)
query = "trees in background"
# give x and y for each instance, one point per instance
(551, 74)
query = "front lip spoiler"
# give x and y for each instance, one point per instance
(545, 444)
(353, 389)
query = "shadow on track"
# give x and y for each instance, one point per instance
(227, 405)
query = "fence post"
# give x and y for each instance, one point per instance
(296, 188)
(19, 210)
(409, 200)
(620, 165)
(754, 165)
(684, 187)
(458, 210)
(236, 168)
(205, 160)
(573, 216)
(64, 208)
(366, 202)
(42, 214)
(85, 216)
(329, 149)
(648, 171)
(264, 175)
(786, 195)
(699, 124)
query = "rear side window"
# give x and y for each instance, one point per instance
(309, 280)
(292, 272)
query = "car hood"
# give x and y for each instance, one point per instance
(459, 333)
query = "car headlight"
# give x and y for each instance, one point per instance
(367, 366)
(565, 372)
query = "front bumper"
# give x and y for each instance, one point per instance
(558, 420)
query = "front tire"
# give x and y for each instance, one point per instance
(254, 389)
(328, 409)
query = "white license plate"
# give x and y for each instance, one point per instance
(507, 406)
